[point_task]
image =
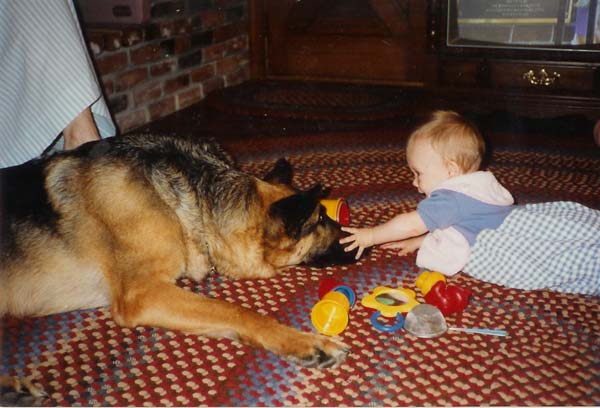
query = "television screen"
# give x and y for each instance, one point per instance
(523, 23)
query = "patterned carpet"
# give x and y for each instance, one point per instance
(551, 355)
(314, 100)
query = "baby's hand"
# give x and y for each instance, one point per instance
(360, 238)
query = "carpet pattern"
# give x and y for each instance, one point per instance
(551, 355)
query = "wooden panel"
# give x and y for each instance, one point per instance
(361, 58)
(356, 40)
(460, 73)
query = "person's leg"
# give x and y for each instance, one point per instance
(597, 132)
(82, 129)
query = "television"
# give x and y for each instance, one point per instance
(526, 25)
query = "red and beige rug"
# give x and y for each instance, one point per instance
(551, 355)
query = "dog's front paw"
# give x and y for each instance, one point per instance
(318, 351)
(20, 393)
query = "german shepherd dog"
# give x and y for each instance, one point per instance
(116, 222)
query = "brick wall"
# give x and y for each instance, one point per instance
(188, 49)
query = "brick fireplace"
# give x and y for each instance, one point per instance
(185, 50)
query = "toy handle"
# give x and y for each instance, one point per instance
(399, 322)
(491, 332)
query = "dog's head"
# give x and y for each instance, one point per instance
(311, 237)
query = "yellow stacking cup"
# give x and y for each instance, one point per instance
(330, 314)
(338, 210)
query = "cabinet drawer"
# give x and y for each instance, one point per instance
(541, 76)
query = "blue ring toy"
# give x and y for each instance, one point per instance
(399, 322)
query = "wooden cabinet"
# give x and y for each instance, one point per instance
(411, 44)
(546, 79)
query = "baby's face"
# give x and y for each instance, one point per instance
(428, 167)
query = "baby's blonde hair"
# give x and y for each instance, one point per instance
(454, 138)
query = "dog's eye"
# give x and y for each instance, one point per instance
(322, 215)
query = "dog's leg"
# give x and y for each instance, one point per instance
(168, 306)
(19, 392)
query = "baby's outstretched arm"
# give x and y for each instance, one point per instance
(405, 246)
(401, 227)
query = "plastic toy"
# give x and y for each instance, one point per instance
(338, 210)
(327, 285)
(390, 302)
(427, 321)
(426, 280)
(330, 314)
(448, 298)
(437, 292)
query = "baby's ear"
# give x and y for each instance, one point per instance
(453, 168)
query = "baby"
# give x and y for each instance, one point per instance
(468, 220)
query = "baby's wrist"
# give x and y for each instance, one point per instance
(371, 237)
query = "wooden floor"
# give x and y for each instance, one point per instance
(203, 119)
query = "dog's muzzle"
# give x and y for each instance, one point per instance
(334, 255)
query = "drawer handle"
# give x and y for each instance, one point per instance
(544, 79)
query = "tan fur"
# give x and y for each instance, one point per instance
(122, 241)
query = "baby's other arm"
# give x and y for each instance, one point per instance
(406, 246)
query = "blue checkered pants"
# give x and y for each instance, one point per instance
(552, 246)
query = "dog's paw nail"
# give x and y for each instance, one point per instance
(320, 359)
(328, 354)
(20, 392)
(308, 362)
(20, 399)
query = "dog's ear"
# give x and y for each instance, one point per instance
(281, 173)
(296, 209)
